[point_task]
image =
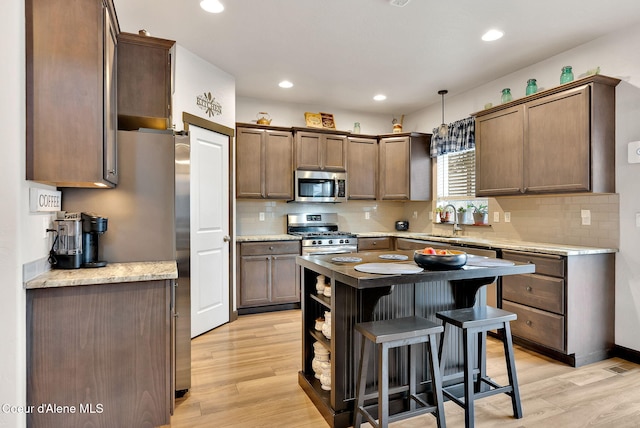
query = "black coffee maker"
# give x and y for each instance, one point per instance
(92, 227)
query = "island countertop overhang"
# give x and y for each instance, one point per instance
(346, 274)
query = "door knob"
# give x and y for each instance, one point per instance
(226, 238)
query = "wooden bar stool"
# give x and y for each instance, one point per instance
(384, 335)
(474, 323)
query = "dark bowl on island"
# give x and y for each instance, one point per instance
(452, 260)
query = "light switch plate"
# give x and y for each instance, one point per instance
(507, 217)
(261, 216)
(496, 217)
(633, 152)
(586, 217)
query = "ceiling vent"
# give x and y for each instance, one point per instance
(399, 3)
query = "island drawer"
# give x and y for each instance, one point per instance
(538, 326)
(546, 264)
(366, 244)
(269, 247)
(539, 291)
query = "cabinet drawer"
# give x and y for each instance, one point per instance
(538, 326)
(269, 247)
(365, 244)
(542, 292)
(546, 264)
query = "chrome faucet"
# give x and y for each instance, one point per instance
(456, 227)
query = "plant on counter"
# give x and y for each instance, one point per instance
(480, 214)
(462, 215)
(443, 215)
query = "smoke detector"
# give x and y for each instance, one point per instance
(399, 3)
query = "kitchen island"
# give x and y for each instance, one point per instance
(358, 297)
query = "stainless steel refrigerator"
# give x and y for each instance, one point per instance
(148, 214)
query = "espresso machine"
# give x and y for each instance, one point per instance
(66, 252)
(92, 227)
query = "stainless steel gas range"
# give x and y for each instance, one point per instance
(320, 234)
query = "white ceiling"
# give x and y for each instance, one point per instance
(340, 53)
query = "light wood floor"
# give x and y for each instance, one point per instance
(244, 375)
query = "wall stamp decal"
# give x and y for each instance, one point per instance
(209, 104)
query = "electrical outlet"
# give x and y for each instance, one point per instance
(507, 217)
(261, 216)
(586, 217)
(367, 215)
(430, 215)
(415, 214)
(496, 217)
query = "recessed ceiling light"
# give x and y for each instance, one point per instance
(492, 35)
(380, 97)
(285, 84)
(212, 6)
(399, 3)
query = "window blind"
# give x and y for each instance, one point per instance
(457, 174)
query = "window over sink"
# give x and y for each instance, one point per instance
(456, 183)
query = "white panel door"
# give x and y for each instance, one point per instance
(209, 229)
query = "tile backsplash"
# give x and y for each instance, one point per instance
(546, 219)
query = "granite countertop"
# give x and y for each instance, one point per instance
(502, 244)
(112, 273)
(262, 238)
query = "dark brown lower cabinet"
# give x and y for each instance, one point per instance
(566, 308)
(99, 355)
(267, 273)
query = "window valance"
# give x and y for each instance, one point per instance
(461, 136)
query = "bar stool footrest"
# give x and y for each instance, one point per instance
(366, 411)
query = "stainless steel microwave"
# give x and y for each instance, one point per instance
(320, 186)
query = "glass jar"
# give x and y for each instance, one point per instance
(356, 128)
(532, 87)
(506, 95)
(567, 74)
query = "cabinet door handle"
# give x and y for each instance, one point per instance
(528, 288)
(529, 323)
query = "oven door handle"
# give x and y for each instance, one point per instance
(326, 252)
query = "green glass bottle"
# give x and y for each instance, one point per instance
(506, 95)
(567, 74)
(532, 87)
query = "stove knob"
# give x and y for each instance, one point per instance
(342, 241)
(313, 242)
(346, 241)
(330, 241)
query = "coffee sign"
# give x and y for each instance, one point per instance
(42, 200)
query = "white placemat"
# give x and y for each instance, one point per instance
(346, 259)
(393, 257)
(388, 268)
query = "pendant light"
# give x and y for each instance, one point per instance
(444, 129)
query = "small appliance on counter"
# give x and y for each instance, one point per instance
(66, 251)
(76, 242)
(402, 225)
(92, 227)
